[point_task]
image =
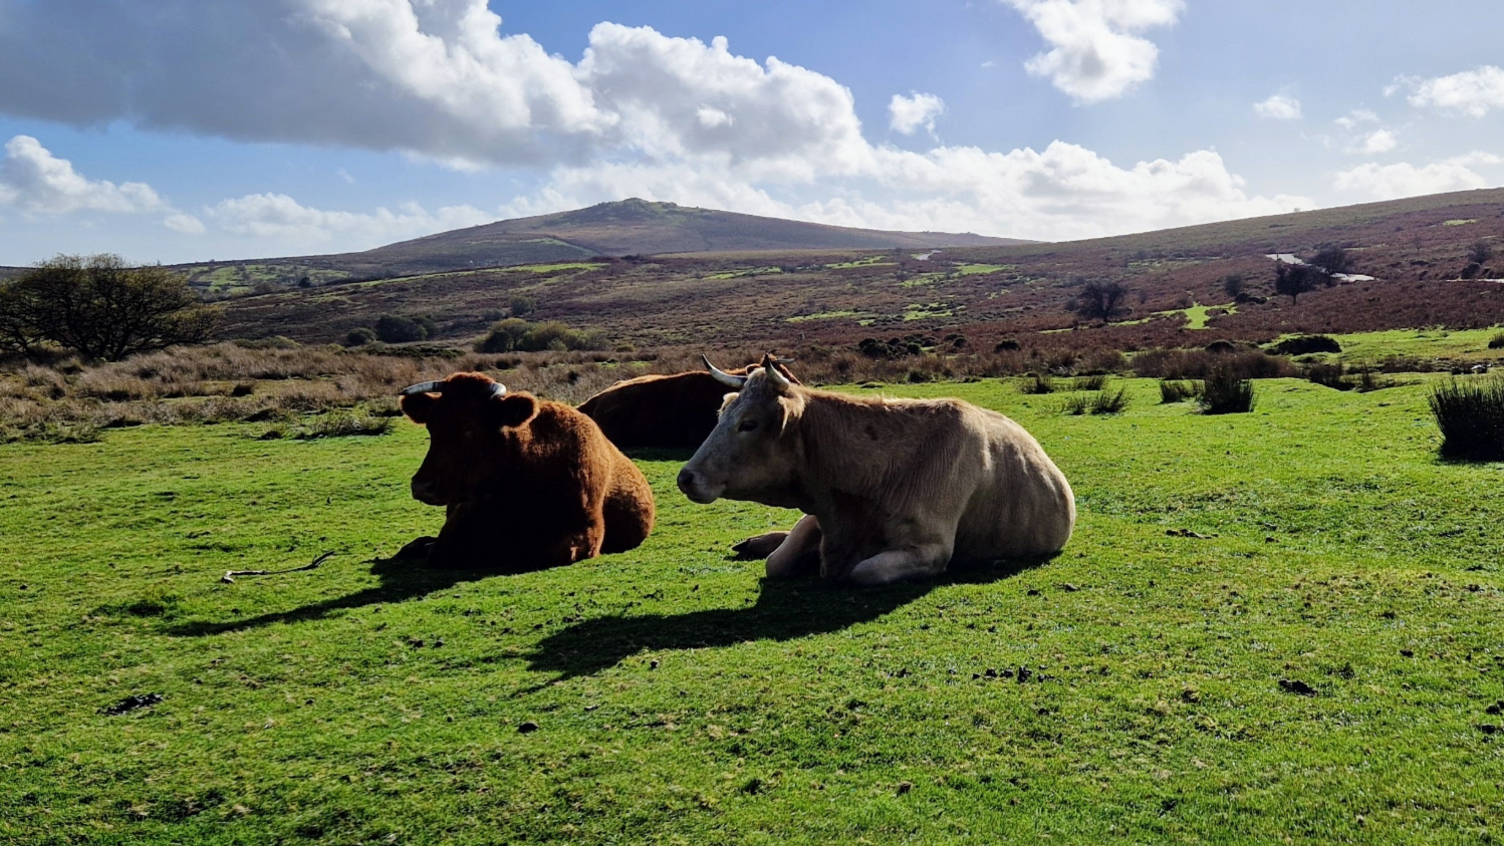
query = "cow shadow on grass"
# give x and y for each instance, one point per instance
(784, 610)
(401, 579)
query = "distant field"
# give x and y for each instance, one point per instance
(1283, 625)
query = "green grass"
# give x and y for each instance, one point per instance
(1459, 222)
(828, 315)
(1418, 343)
(677, 698)
(555, 268)
(752, 271)
(869, 261)
(1196, 316)
(977, 269)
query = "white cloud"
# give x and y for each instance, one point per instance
(640, 114)
(1096, 53)
(1279, 107)
(907, 114)
(1351, 120)
(186, 224)
(1378, 141)
(36, 182)
(281, 218)
(1389, 182)
(1472, 93)
(1062, 192)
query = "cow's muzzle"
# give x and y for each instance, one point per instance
(693, 487)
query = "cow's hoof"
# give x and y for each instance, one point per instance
(758, 547)
(416, 549)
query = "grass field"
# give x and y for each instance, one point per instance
(1278, 626)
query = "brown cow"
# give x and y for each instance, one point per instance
(891, 488)
(675, 411)
(526, 483)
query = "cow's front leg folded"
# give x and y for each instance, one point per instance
(575, 546)
(894, 565)
(799, 553)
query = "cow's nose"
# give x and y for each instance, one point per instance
(424, 493)
(687, 481)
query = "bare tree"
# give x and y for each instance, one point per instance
(101, 308)
(1296, 279)
(1332, 259)
(1100, 300)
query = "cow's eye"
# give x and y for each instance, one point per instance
(747, 425)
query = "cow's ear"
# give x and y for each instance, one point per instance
(511, 410)
(417, 407)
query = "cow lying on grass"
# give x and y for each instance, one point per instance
(526, 483)
(891, 488)
(675, 411)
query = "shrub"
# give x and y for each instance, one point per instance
(1198, 364)
(1089, 383)
(1220, 347)
(1328, 375)
(1233, 284)
(1007, 345)
(1038, 383)
(395, 329)
(1332, 259)
(343, 424)
(360, 337)
(1471, 418)
(1224, 393)
(1110, 403)
(1177, 391)
(523, 305)
(1103, 403)
(1306, 344)
(1497, 341)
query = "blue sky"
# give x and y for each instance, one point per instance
(186, 130)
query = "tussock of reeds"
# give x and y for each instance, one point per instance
(1470, 415)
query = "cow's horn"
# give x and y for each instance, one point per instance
(497, 389)
(722, 376)
(422, 388)
(769, 366)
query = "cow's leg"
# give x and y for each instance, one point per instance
(910, 562)
(799, 552)
(759, 547)
(576, 545)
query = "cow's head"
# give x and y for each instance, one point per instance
(466, 415)
(753, 453)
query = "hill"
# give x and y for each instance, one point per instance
(1177, 280)
(628, 227)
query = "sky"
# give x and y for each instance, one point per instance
(193, 130)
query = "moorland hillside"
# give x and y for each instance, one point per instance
(1409, 265)
(627, 227)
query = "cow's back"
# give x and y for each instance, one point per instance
(676, 412)
(561, 433)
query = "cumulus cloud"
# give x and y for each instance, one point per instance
(436, 78)
(639, 114)
(186, 224)
(37, 182)
(1096, 52)
(1389, 182)
(1372, 143)
(1279, 107)
(1064, 191)
(1352, 119)
(281, 218)
(906, 114)
(1473, 93)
